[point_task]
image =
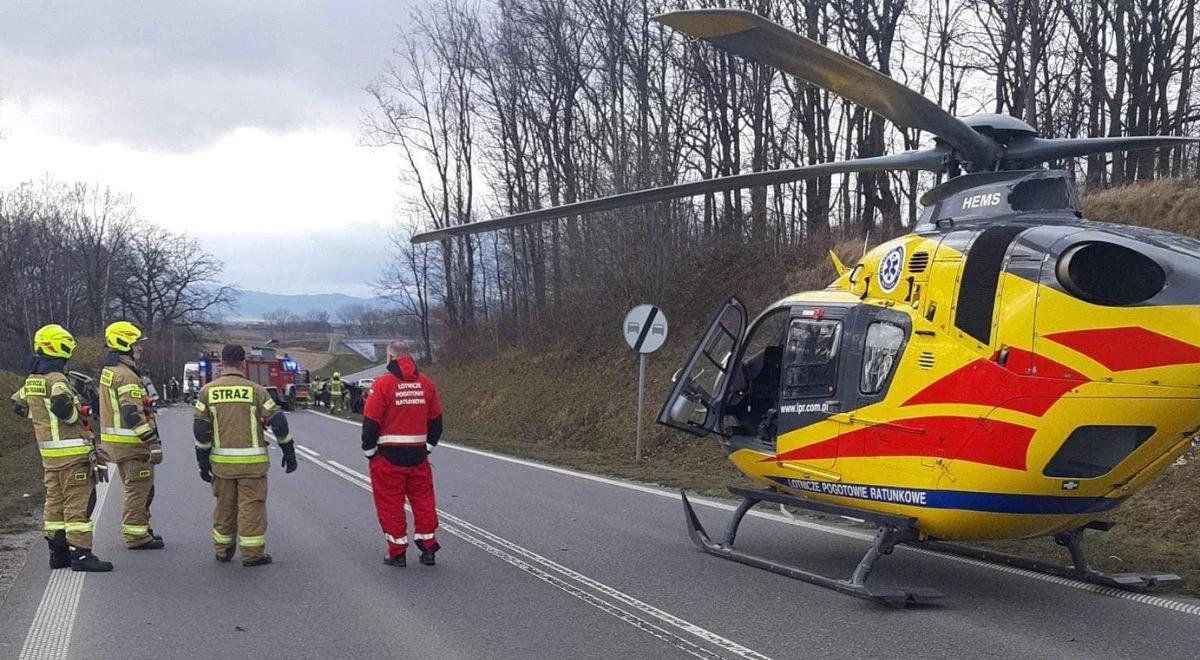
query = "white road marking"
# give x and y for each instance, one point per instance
(307, 450)
(49, 636)
(458, 526)
(1143, 598)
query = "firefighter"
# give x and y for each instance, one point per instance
(71, 465)
(336, 393)
(232, 456)
(401, 420)
(128, 432)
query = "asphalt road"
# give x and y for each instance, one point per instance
(536, 563)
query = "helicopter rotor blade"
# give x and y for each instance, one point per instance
(932, 160)
(755, 38)
(1037, 150)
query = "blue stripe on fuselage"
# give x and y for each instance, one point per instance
(955, 499)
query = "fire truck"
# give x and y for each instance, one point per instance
(286, 382)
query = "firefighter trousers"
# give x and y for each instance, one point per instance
(70, 498)
(137, 478)
(240, 515)
(336, 402)
(391, 485)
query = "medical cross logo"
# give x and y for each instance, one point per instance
(890, 268)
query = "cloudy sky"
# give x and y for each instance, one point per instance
(237, 121)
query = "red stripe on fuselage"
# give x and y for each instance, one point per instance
(1028, 383)
(984, 441)
(1125, 349)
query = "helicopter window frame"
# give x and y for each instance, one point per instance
(831, 363)
(881, 384)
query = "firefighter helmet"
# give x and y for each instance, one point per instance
(53, 341)
(121, 336)
(337, 375)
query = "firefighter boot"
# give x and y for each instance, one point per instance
(399, 561)
(152, 544)
(227, 556)
(82, 559)
(59, 555)
(257, 561)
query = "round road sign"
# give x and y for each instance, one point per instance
(645, 328)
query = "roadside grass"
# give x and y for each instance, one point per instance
(21, 488)
(343, 363)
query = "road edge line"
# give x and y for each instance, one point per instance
(49, 634)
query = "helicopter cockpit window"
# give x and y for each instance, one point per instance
(880, 352)
(810, 358)
(755, 388)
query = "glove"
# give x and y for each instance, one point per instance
(98, 467)
(289, 457)
(155, 447)
(204, 464)
(19, 408)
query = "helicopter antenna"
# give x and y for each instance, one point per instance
(866, 243)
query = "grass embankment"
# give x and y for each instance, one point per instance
(575, 407)
(343, 363)
(21, 488)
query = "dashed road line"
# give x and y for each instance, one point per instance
(545, 569)
(1113, 592)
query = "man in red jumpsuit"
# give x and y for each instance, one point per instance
(402, 419)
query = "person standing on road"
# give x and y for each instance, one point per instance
(336, 393)
(402, 418)
(71, 465)
(128, 432)
(232, 456)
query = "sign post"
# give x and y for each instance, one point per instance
(645, 331)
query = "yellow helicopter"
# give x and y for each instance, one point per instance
(1008, 370)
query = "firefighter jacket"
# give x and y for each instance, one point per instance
(335, 387)
(47, 399)
(402, 413)
(126, 431)
(231, 412)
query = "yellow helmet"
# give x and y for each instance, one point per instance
(121, 336)
(53, 341)
(336, 375)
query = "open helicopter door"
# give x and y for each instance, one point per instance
(696, 402)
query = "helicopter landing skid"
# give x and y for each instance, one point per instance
(1079, 570)
(893, 530)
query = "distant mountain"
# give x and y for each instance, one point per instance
(255, 305)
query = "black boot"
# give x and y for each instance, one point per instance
(150, 544)
(59, 555)
(257, 561)
(399, 561)
(82, 559)
(154, 536)
(227, 556)
(427, 557)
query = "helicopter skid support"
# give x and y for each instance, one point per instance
(892, 531)
(1079, 570)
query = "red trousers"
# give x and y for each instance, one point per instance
(391, 484)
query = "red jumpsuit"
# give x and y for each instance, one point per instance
(401, 415)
